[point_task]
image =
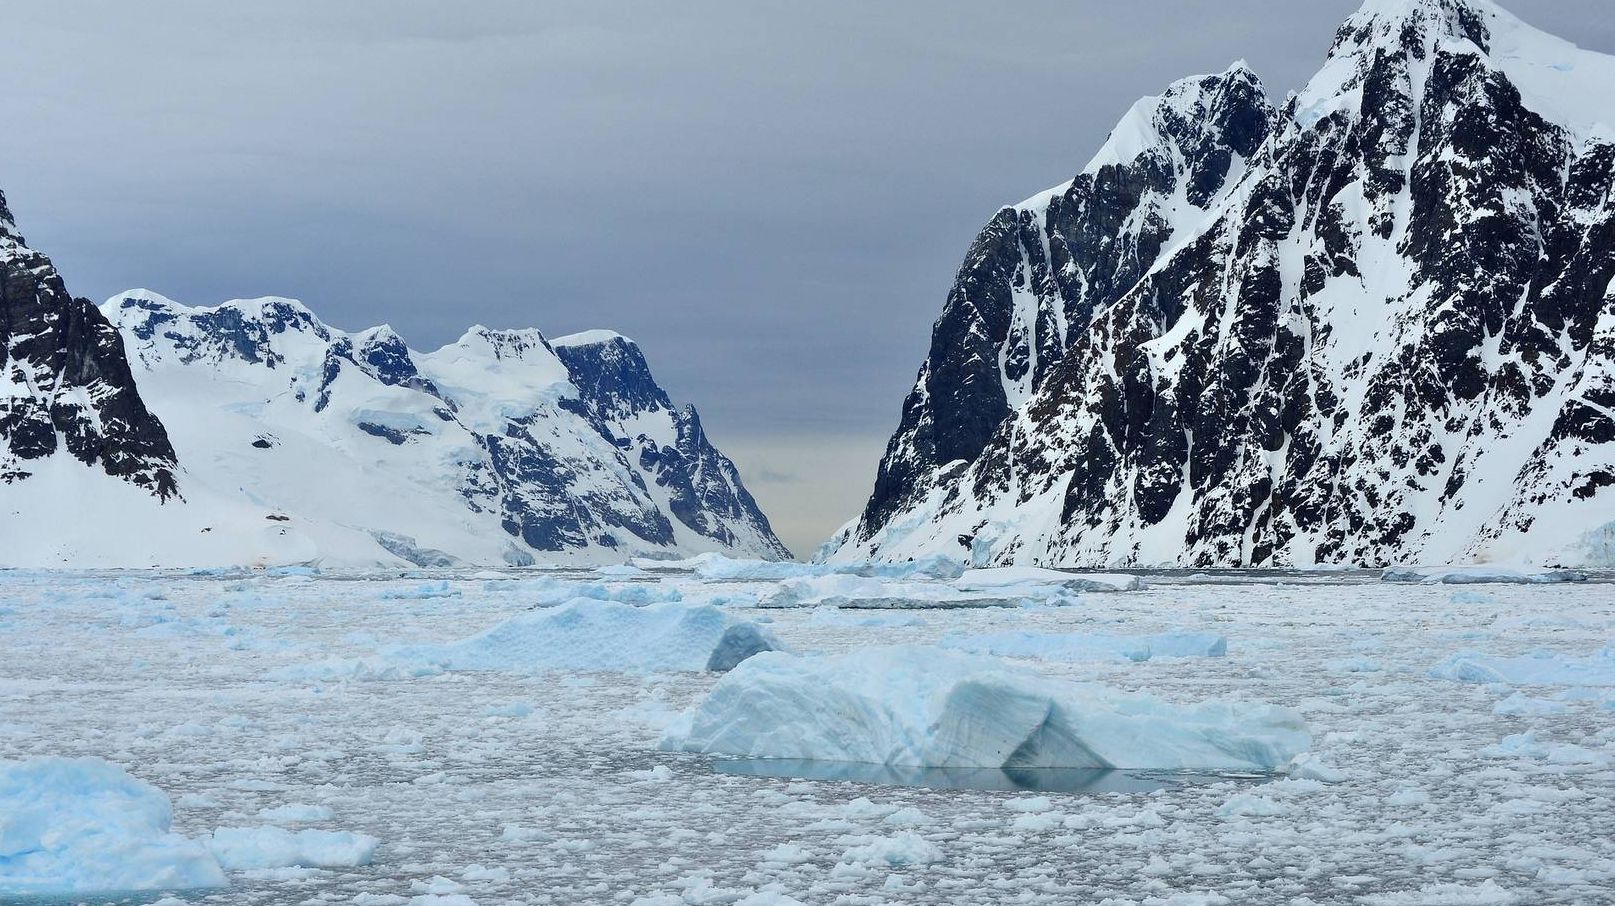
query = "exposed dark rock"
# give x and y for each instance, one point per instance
(70, 385)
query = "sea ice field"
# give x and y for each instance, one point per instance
(669, 735)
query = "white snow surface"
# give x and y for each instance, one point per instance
(521, 787)
(83, 825)
(267, 846)
(929, 707)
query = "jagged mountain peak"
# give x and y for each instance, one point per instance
(1039, 272)
(1567, 85)
(503, 343)
(1196, 126)
(1192, 113)
(1386, 21)
(611, 374)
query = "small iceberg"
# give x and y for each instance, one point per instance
(1479, 575)
(588, 634)
(74, 826)
(999, 578)
(1542, 668)
(929, 707)
(267, 846)
(718, 568)
(852, 592)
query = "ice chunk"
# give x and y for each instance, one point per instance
(738, 642)
(934, 567)
(81, 825)
(274, 847)
(1546, 668)
(1018, 576)
(357, 669)
(869, 593)
(295, 811)
(1062, 646)
(1476, 575)
(1486, 893)
(717, 567)
(587, 634)
(931, 707)
(905, 848)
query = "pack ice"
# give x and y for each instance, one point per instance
(1072, 646)
(587, 634)
(922, 706)
(1490, 574)
(83, 825)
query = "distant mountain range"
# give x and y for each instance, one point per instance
(1372, 325)
(148, 433)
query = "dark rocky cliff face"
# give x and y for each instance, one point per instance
(1390, 340)
(66, 382)
(1038, 272)
(704, 488)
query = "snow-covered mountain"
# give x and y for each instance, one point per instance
(273, 438)
(1373, 325)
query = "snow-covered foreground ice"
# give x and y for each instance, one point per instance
(74, 826)
(499, 785)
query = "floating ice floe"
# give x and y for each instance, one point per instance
(931, 707)
(869, 593)
(717, 567)
(1070, 646)
(275, 847)
(82, 825)
(602, 635)
(1478, 575)
(1004, 577)
(1544, 668)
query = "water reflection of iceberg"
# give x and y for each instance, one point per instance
(1008, 779)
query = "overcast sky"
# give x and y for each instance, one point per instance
(771, 197)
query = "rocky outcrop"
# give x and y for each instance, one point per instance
(65, 385)
(1038, 273)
